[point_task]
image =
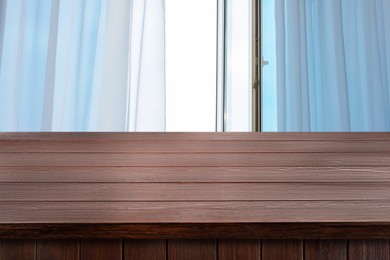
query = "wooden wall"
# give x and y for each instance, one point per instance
(194, 249)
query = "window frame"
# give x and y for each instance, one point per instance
(255, 80)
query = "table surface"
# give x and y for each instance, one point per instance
(195, 185)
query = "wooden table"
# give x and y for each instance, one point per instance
(194, 195)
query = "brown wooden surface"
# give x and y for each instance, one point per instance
(282, 250)
(194, 160)
(145, 250)
(17, 249)
(369, 249)
(58, 250)
(325, 249)
(101, 249)
(192, 250)
(191, 146)
(276, 174)
(194, 192)
(195, 185)
(238, 249)
(205, 212)
(292, 230)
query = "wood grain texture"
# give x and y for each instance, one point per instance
(193, 192)
(145, 250)
(294, 230)
(282, 250)
(195, 185)
(281, 159)
(195, 212)
(17, 250)
(193, 146)
(369, 249)
(101, 249)
(58, 250)
(238, 249)
(325, 249)
(275, 174)
(192, 250)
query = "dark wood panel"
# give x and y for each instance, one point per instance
(192, 191)
(58, 250)
(101, 249)
(238, 249)
(17, 249)
(195, 174)
(294, 230)
(220, 146)
(368, 249)
(192, 250)
(196, 159)
(87, 136)
(282, 250)
(145, 250)
(195, 212)
(325, 249)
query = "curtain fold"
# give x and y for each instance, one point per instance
(333, 65)
(82, 65)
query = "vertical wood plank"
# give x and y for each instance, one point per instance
(325, 249)
(238, 249)
(17, 250)
(192, 249)
(101, 249)
(282, 250)
(144, 249)
(58, 250)
(368, 249)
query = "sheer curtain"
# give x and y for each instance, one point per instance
(82, 65)
(333, 65)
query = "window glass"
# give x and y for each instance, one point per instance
(269, 67)
(191, 63)
(238, 65)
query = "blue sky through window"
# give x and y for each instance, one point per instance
(269, 102)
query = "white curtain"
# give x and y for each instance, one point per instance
(333, 65)
(82, 65)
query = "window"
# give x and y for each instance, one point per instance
(209, 65)
(238, 66)
(183, 65)
(126, 65)
(191, 65)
